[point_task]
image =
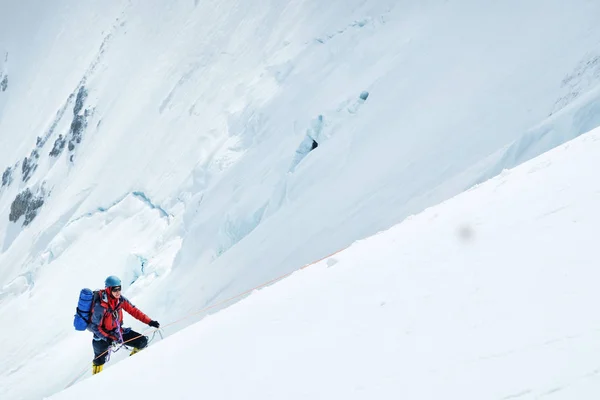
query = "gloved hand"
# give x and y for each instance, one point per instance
(154, 324)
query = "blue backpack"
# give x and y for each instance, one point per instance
(83, 315)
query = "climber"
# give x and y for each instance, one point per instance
(107, 322)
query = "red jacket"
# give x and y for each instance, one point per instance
(108, 311)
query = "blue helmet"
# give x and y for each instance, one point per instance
(112, 281)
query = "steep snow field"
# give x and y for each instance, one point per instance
(487, 296)
(167, 142)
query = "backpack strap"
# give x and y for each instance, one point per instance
(80, 313)
(95, 299)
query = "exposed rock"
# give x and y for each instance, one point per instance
(7, 176)
(25, 204)
(79, 122)
(81, 96)
(30, 165)
(77, 127)
(59, 146)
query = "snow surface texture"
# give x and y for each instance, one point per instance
(168, 142)
(486, 296)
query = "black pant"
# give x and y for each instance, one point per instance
(130, 338)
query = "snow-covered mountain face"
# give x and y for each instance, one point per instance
(494, 309)
(198, 148)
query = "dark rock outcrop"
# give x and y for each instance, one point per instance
(59, 145)
(4, 83)
(79, 122)
(30, 164)
(25, 204)
(7, 176)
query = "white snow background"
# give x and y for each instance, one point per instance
(185, 170)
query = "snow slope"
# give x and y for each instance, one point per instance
(166, 141)
(486, 296)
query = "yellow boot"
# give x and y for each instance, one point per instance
(97, 369)
(135, 350)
